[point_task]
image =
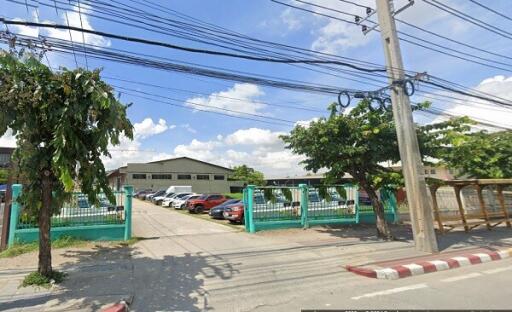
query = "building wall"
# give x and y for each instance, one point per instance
(161, 175)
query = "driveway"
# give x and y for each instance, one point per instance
(183, 263)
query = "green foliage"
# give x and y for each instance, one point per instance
(22, 248)
(37, 279)
(63, 123)
(4, 174)
(248, 175)
(234, 195)
(480, 155)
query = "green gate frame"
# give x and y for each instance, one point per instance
(95, 232)
(251, 225)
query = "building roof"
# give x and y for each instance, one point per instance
(307, 177)
(176, 158)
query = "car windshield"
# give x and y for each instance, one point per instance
(313, 197)
(193, 197)
(259, 199)
(203, 197)
(182, 195)
(169, 195)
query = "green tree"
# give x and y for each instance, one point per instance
(248, 175)
(480, 154)
(360, 143)
(63, 123)
(4, 174)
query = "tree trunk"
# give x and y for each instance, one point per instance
(45, 254)
(380, 220)
(378, 209)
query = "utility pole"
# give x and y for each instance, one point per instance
(420, 208)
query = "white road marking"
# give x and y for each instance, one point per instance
(440, 265)
(483, 257)
(463, 261)
(415, 269)
(498, 270)
(460, 277)
(387, 273)
(391, 291)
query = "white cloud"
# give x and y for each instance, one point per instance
(74, 20)
(148, 128)
(254, 136)
(258, 148)
(291, 20)
(240, 98)
(189, 128)
(8, 140)
(306, 123)
(131, 150)
(499, 86)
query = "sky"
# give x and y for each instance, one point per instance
(166, 131)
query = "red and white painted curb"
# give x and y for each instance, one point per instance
(422, 267)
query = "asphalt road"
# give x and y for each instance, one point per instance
(205, 266)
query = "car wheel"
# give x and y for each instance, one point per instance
(199, 209)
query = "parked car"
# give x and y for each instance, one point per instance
(182, 203)
(170, 201)
(157, 193)
(142, 193)
(205, 203)
(217, 211)
(159, 199)
(234, 213)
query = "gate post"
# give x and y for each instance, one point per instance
(128, 195)
(15, 213)
(304, 205)
(250, 209)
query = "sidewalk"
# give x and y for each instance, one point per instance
(188, 264)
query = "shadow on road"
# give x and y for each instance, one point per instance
(108, 274)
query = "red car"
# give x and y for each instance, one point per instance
(234, 213)
(205, 203)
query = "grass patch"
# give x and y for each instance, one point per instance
(131, 241)
(205, 216)
(21, 248)
(234, 195)
(18, 249)
(36, 279)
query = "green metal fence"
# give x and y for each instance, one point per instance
(78, 218)
(388, 199)
(288, 207)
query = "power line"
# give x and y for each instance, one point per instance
(187, 49)
(491, 9)
(470, 19)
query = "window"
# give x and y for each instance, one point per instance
(203, 177)
(184, 177)
(161, 176)
(140, 176)
(426, 171)
(214, 197)
(218, 177)
(432, 171)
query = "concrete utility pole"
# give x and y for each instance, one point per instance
(420, 208)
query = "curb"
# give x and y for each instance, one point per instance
(423, 267)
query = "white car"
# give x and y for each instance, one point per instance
(159, 199)
(168, 201)
(180, 203)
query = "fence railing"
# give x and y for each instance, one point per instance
(302, 206)
(78, 217)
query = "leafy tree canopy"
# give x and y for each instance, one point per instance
(248, 175)
(362, 142)
(63, 122)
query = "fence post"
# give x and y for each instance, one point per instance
(128, 195)
(250, 209)
(355, 187)
(304, 205)
(15, 213)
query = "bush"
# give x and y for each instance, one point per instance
(36, 279)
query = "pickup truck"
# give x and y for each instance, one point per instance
(205, 203)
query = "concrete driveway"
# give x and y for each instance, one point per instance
(183, 263)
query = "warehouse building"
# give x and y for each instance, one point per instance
(202, 176)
